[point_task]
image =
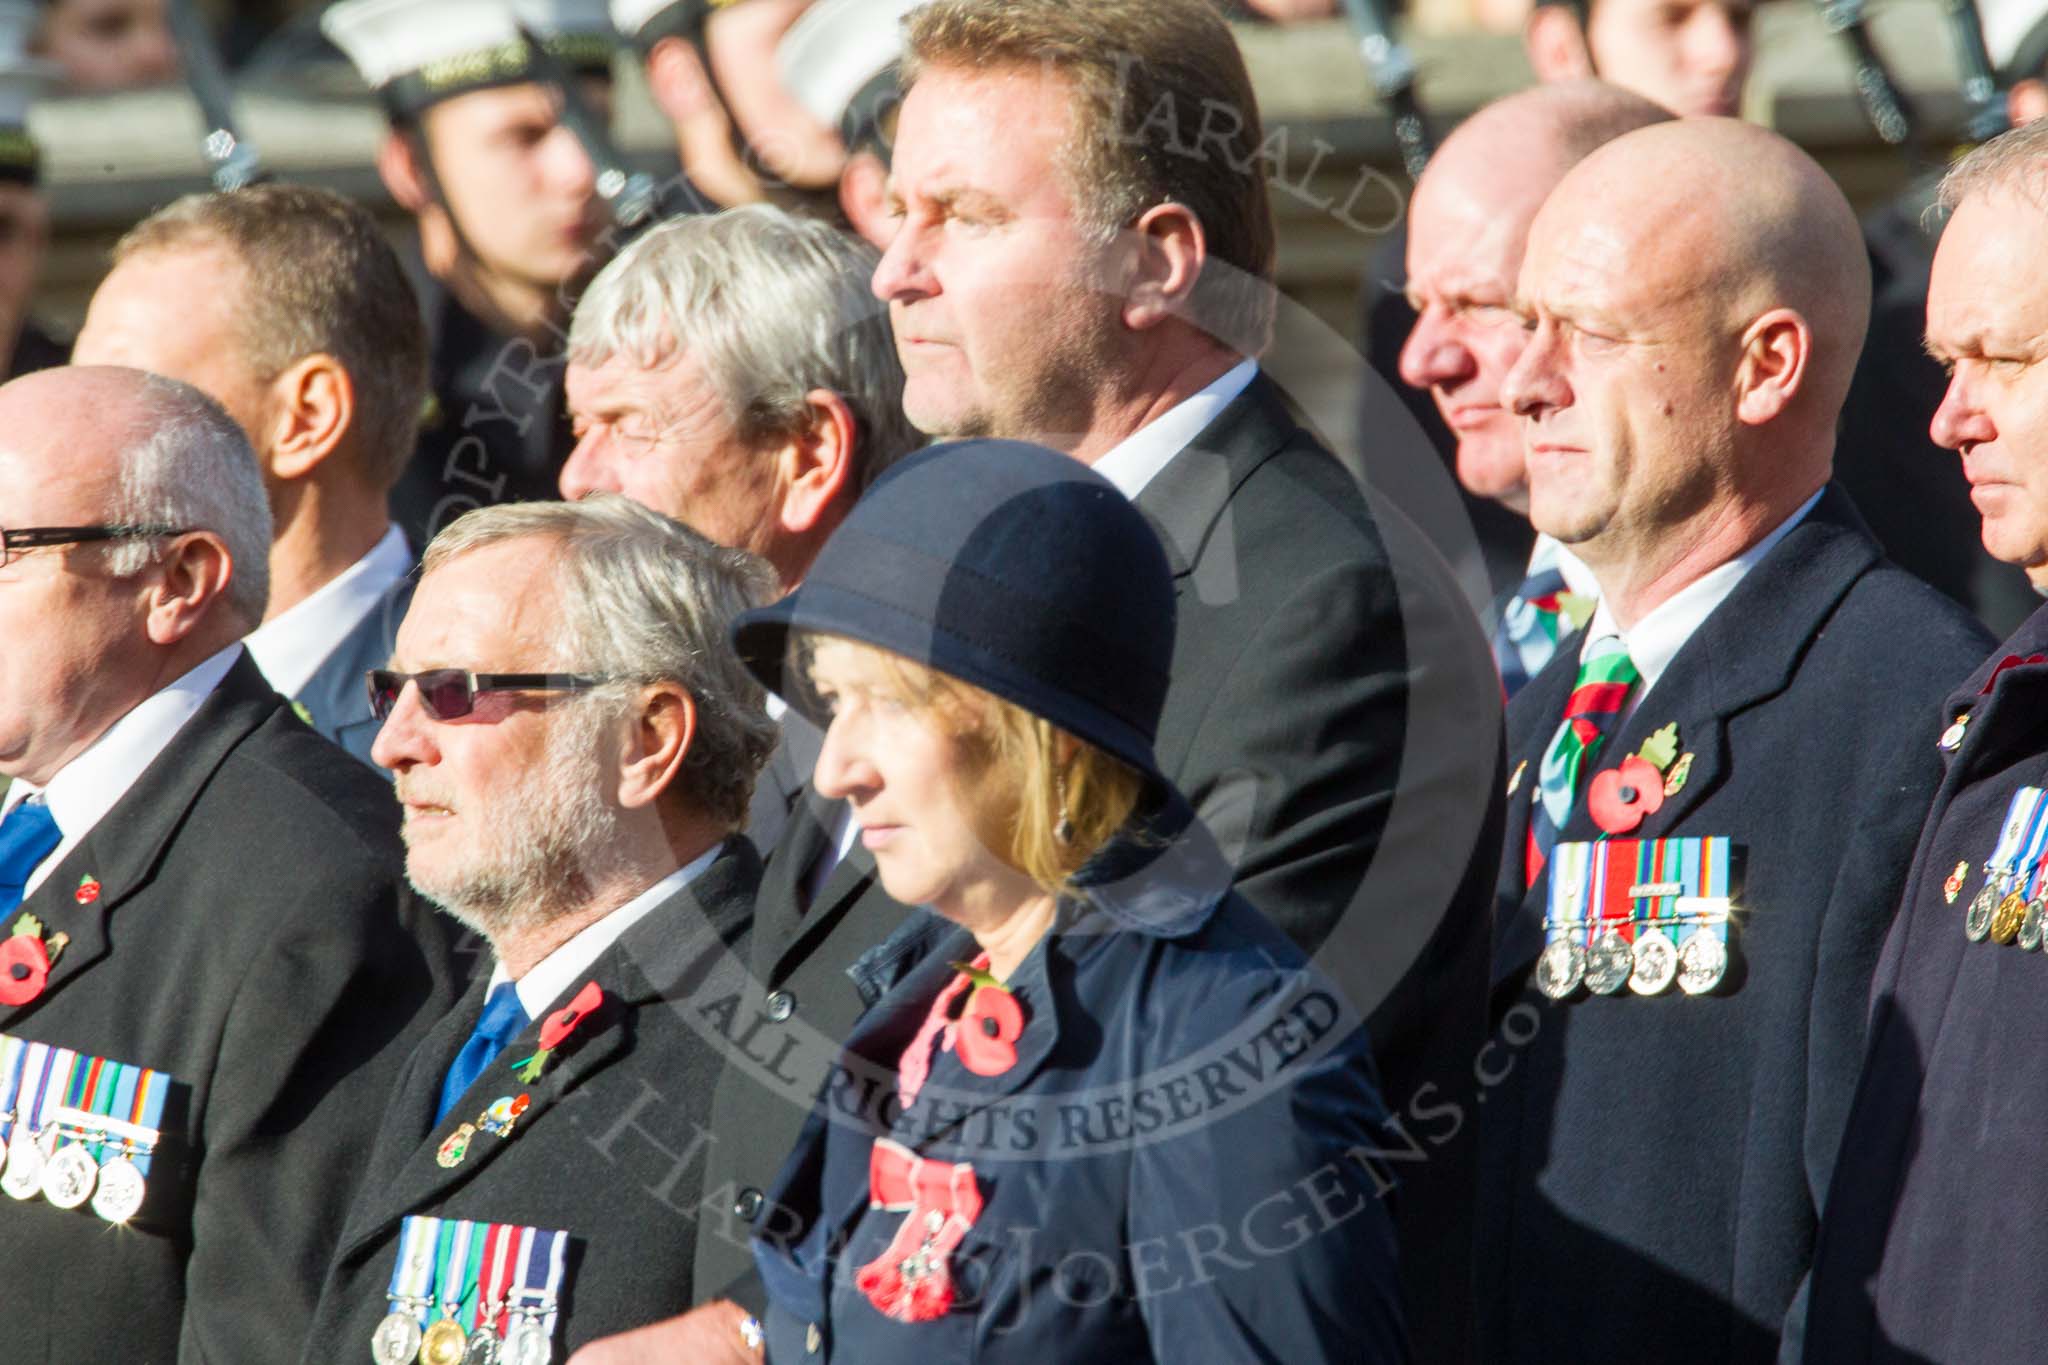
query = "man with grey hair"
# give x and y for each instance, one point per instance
(286, 305)
(210, 954)
(1931, 1243)
(574, 747)
(733, 372)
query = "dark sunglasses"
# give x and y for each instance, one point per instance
(451, 693)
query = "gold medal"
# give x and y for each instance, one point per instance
(2006, 919)
(444, 1343)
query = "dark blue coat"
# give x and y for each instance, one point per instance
(1934, 1242)
(1177, 1168)
(1651, 1166)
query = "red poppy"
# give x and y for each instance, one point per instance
(2010, 661)
(88, 890)
(1620, 797)
(563, 1022)
(986, 1042)
(24, 967)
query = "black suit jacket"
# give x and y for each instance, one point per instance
(1652, 1166)
(1331, 697)
(609, 1149)
(783, 780)
(1932, 1240)
(336, 699)
(252, 938)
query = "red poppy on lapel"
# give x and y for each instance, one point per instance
(986, 1041)
(24, 967)
(1619, 798)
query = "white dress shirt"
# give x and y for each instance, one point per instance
(1654, 641)
(290, 647)
(1134, 461)
(554, 974)
(90, 785)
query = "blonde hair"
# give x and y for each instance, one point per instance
(1016, 784)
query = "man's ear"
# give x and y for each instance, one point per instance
(194, 573)
(312, 409)
(398, 165)
(1171, 252)
(664, 726)
(1556, 45)
(1777, 350)
(815, 473)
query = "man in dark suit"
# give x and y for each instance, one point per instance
(1329, 684)
(1710, 805)
(1930, 1235)
(733, 372)
(286, 306)
(206, 890)
(581, 816)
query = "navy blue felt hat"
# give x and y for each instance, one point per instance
(1005, 565)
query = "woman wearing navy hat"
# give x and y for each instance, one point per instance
(1104, 1111)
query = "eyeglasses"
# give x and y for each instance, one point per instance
(36, 537)
(451, 693)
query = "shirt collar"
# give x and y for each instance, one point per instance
(1552, 553)
(290, 647)
(1134, 461)
(91, 784)
(1654, 641)
(554, 974)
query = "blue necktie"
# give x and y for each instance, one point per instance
(496, 1027)
(26, 837)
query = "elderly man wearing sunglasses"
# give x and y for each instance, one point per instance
(574, 748)
(205, 945)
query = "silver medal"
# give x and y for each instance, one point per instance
(1702, 962)
(120, 1192)
(1608, 963)
(482, 1349)
(2030, 927)
(23, 1178)
(1656, 962)
(1561, 968)
(396, 1340)
(527, 1344)
(71, 1176)
(1977, 922)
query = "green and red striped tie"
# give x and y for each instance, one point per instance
(1606, 678)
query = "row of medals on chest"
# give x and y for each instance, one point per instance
(400, 1340)
(529, 1334)
(2000, 912)
(1648, 965)
(68, 1176)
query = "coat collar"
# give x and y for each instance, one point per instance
(123, 851)
(1747, 651)
(790, 924)
(660, 956)
(1186, 499)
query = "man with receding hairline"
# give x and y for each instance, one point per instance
(1710, 808)
(1471, 215)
